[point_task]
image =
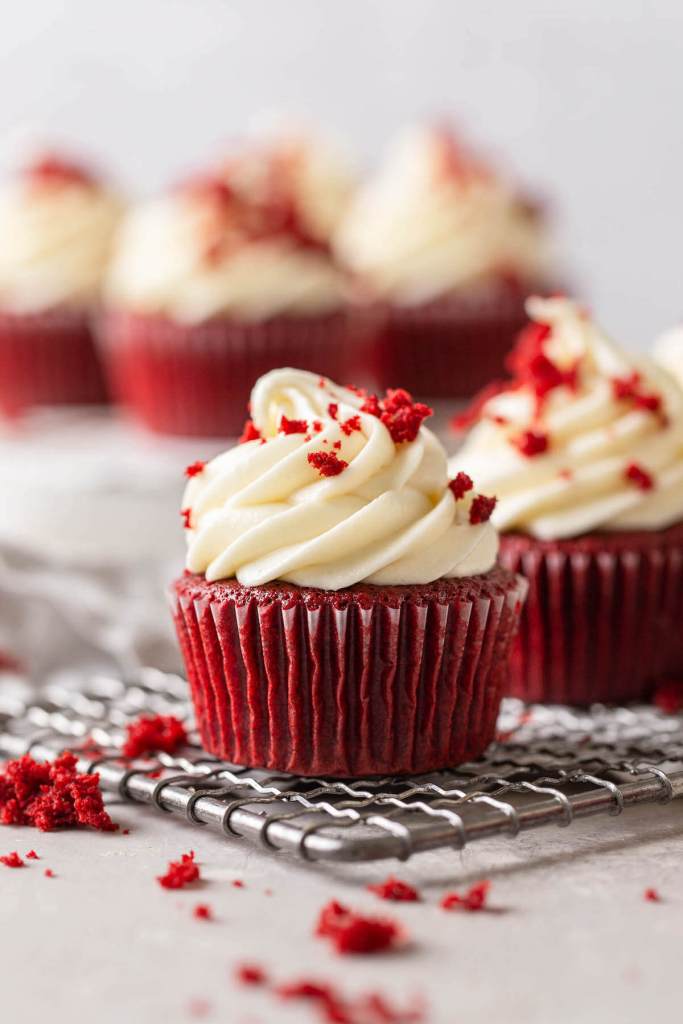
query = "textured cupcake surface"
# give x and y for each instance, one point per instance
(331, 488)
(583, 438)
(434, 219)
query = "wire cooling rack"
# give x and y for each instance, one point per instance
(550, 765)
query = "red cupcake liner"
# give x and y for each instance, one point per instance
(48, 359)
(603, 618)
(362, 681)
(453, 346)
(195, 379)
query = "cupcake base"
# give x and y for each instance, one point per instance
(195, 379)
(455, 345)
(48, 359)
(362, 681)
(603, 618)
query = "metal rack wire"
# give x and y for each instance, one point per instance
(551, 765)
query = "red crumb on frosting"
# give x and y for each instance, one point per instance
(398, 412)
(460, 485)
(180, 872)
(333, 410)
(337, 445)
(186, 516)
(288, 426)
(630, 389)
(474, 899)
(249, 432)
(652, 896)
(327, 463)
(531, 367)
(52, 795)
(639, 476)
(481, 509)
(12, 860)
(195, 468)
(51, 169)
(352, 933)
(668, 696)
(531, 442)
(394, 889)
(349, 426)
(49, 873)
(32, 855)
(152, 733)
(203, 912)
(317, 426)
(250, 974)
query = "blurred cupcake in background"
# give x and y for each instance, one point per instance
(224, 278)
(57, 221)
(668, 351)
(584, 450)
(453, 250)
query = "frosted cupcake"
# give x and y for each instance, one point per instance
(56, 225)
(342, 612)
(453, 250)
(584, 449)
(224, 278)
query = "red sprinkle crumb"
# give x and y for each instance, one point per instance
(333, 1006)
(12, 860)
(250, 974)
(333, 410)
(203, 912)
(460, 485)
(668, 696)
(152, 733)
(288, 426)
(398, 412)
(395, 889)
(49, 873)
(317, 426)
(531, 443)
(337, 445)
(32, 855)
(51, 795)
(353, 933)
(195, 468)
(630, 389)
(125, 832)
(352, 424)
(186, 516)
(639, 476)
(652, 896)
(238, 883)
(180, 872)
(327, 463)
(474, 899)
(249, 433)
(481, 509)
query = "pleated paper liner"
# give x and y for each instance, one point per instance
(603, 620)
(195, 379)
(48, 359)
(367, 680)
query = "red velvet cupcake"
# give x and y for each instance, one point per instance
(226, 278)
(342, 613)
(584, 447)
(452, 251)
(57, 221)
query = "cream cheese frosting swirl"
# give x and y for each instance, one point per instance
(586, 438)
(56, 225)
(433, 220)
(328, 497)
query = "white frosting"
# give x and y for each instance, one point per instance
(161, 264)
(416, 232)
(669, 351)
(262, 512)
(56, 239)
(579, 484)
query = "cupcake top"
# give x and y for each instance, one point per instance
(669, 352)
(330, 487)
(249, 240)
(56, 224)
(434, 219)
(583, 438)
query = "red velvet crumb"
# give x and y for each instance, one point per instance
(395, 889)
(460, 485)
(203, 912)
(32, 855)
(668, 696)
(474, 899)
(333, 1006)
(153, 733)
(349, 426)
(238, 883)
(52, 795)
(249, 433)
(630, 389)
(652, 896)
(12, 860)
(481, 509)
(186, 516)
(180, 872)
(288, 426)
(250, 974)
(333, 410)
(195, 468)
(531, 443)
(353, 933)
(327, 463)
(639, 476)
(49, 873)
(398, 412)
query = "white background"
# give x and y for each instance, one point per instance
(582, 97)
